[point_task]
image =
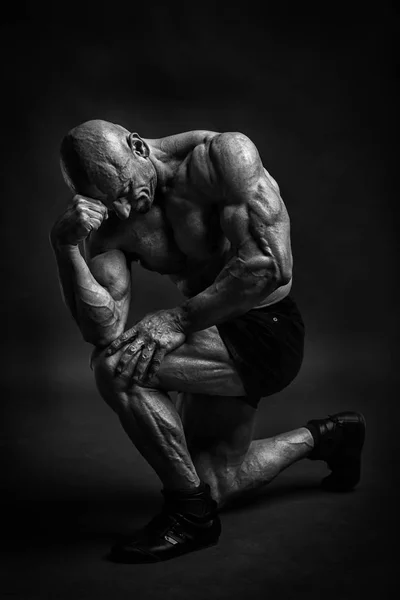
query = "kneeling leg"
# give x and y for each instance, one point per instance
(152, 423)
(219, 433)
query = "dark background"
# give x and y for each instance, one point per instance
(315, 92)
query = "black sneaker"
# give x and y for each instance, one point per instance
(339, 440)
(188, 522)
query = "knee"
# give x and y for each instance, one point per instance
(116, 389)
(104, 368)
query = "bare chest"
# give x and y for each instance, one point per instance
(195, 223)
(175, 239)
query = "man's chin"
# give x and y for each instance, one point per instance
(122, 217)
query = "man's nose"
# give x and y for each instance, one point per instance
(122, 208)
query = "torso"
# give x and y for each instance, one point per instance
(181, 235)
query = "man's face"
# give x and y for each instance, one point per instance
(125, 178)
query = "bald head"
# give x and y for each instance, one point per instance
(95, 153)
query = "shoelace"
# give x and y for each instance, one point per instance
(335, 421)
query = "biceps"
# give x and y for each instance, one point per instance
(111, 271)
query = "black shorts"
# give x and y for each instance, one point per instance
(266, 346)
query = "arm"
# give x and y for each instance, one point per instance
(255, 221)
(98, 292)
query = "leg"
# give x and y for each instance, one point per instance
(219, 440)
(189, 520)
(219, 427)
(266, 459)
(219, 433)
(148, 415)
(150, 419)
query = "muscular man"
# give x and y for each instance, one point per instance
(200, 208)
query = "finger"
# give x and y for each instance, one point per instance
(88, 199)
(154, 365)
(92, 214)
(82, 202)
(143, 363)
(127, 356)
(87, 208)
(123, 339)
(90, 223)
(90, 209)
(128, 373)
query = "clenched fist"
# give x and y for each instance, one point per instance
(82, 216)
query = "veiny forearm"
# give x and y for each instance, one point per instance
(93, 308)
(240, 286)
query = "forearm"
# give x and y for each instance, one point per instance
(240, 286)
(97, 314)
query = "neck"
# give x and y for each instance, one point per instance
(165, 163)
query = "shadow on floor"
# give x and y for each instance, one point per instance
(104, 514)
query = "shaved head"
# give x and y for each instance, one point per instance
(104, 161)
(95, 154)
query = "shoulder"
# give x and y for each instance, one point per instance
(235, 159)
(182, 144)
(233, 143)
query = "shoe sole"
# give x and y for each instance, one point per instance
(144, 558)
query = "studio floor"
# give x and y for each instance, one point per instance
(73, 484)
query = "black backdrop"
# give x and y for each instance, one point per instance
(315, 92)
(314, 95)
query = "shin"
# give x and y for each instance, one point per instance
(152, 423)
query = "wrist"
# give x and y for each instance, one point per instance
(58, 239)
(63, 248)
(181, 317)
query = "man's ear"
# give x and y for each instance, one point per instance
(138, 145)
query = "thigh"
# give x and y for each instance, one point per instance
(202, 365)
